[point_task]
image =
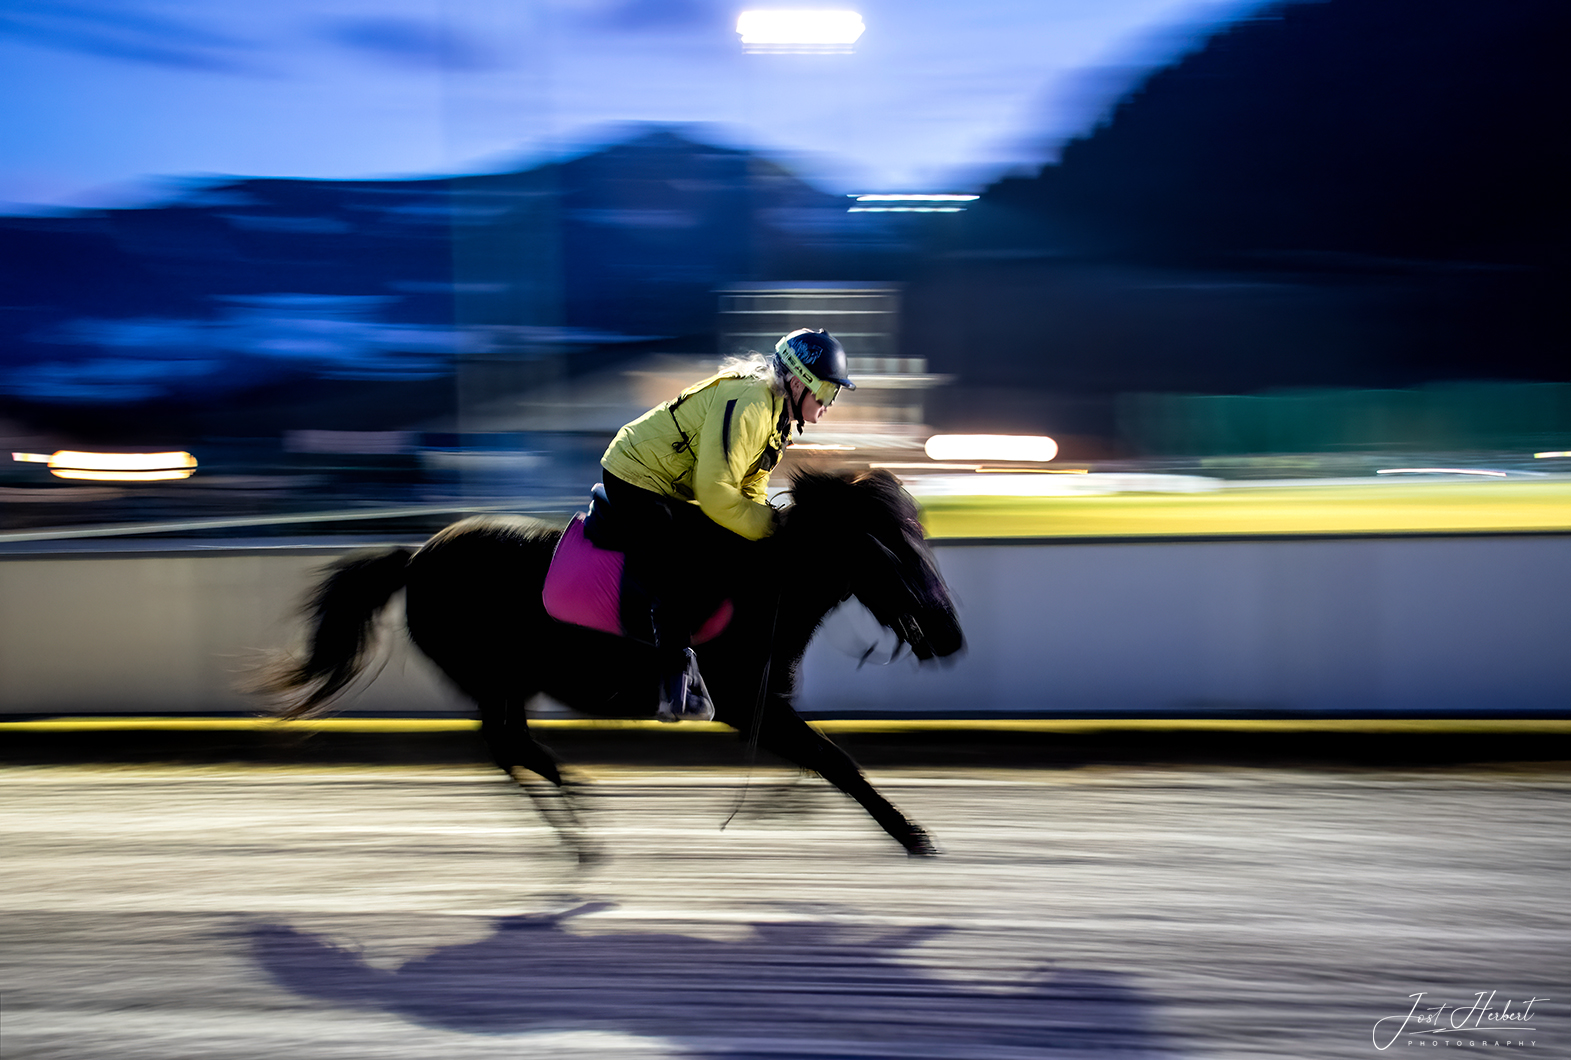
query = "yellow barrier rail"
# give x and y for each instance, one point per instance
(1377, 508)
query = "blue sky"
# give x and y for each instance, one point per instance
(107, 101)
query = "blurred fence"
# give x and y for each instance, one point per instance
(1416, 626)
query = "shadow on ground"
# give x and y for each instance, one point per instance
(801, 989)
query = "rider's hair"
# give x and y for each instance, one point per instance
(760, 366)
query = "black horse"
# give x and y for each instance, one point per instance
(473, 605)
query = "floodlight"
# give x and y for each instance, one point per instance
(121, 467)
(910, 203)
(1034, 448)
(799, 31)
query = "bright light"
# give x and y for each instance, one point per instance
(31, 458)
(162, 475)
(912, 203)
(1439, 471)
(799, 31)
(120, 467)
(1536, 456)
(916, 198)
(991, 447)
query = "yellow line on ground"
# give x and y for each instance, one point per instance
(1521, 726)
(352, 725)
(132, 724)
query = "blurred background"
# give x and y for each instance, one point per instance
(382, 262)
(1278, 279)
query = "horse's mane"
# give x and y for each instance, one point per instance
(872, 495)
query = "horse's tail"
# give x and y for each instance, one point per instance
(341, 614)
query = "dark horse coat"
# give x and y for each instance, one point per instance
(473, 606)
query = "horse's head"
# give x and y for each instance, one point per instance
(861, 530)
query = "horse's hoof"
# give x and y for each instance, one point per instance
(920, 845)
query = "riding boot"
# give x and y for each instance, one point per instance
(683, 695)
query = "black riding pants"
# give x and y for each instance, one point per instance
(683, 559)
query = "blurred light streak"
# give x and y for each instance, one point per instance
(821, 447)
(932, 202)
(166, 475)
(121, 467)
(1439, 471)
(1561, 452)
(991, 447)
(826, 32)
(1026, 484)
(31, 458)
(980, 469)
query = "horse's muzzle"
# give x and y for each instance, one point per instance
(940, 637)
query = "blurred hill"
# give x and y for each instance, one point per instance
(1337, 193)
(289, 290)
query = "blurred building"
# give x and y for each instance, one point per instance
(545, 434)
(888, 409)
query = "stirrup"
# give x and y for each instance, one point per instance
(683, 695)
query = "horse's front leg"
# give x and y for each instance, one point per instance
(783, 732)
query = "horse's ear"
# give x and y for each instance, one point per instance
(882, 477)
(888, 493)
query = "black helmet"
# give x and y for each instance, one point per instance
(818, 360)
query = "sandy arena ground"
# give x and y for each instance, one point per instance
(399, 912)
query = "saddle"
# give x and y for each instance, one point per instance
(589, 582)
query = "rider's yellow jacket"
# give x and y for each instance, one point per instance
(713, 444)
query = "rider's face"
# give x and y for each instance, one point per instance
(812, 408)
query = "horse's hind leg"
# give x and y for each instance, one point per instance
(783, 732)
(517, 753)
(505, 728)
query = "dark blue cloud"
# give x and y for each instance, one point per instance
(411, 43)
(117, 32)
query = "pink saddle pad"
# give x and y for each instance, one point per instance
(583, 586)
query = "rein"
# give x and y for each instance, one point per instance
(758, 718)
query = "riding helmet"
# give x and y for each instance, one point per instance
(818, 360)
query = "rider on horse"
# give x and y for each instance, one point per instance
(687, 482)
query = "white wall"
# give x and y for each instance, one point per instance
(171, 632)
(1418, 625)
(1415, 625)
